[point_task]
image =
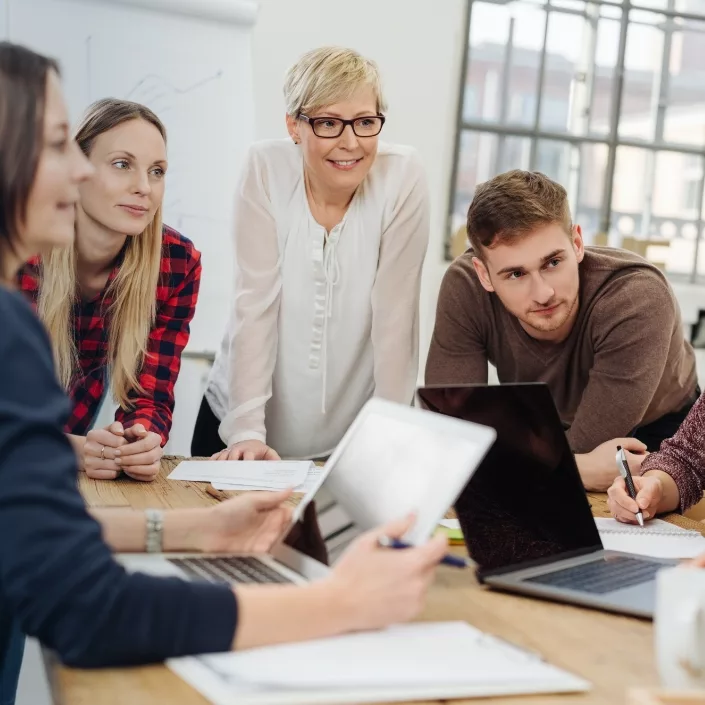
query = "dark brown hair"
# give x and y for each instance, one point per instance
(512, 205)
(23, 78)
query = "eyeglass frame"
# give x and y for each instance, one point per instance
(313, 120)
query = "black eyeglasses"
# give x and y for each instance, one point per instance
(330, 128)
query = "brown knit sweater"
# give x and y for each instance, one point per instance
(625, 363)
(683, 456)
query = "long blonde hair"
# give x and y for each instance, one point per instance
(133, 290)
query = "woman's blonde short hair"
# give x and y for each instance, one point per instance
(329, 75)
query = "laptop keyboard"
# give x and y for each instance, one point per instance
(229, 570)
(601, 577)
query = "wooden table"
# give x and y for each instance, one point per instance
(614, 653)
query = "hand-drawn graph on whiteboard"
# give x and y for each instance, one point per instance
(4, 10)
(189, 61)
(197, 101)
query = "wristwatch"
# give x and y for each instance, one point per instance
(155, 530)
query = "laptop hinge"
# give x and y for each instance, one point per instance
(538, 562)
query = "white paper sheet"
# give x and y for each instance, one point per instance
(450, 523)
(310, 481)
(442, 659)
(259, 474)
(657, 539)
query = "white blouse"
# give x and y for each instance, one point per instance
(319, 325)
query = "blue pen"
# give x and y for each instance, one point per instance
(455, 561)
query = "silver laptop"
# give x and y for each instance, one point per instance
(394, 459)
(525, 515)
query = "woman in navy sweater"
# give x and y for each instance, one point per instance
(58, 579)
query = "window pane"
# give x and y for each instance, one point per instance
(590, 189)
(605, 62)
(475, 164)
(684, 119)
(554, 159)
(488, 35)
(695, 7)
(655, 4)
(642, 70)
(656, 198)
(513, 153)
(565, 74)
(482, 156)
(505, 49)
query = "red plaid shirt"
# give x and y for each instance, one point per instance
(177, 293)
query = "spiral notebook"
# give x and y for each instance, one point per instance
(657, 539)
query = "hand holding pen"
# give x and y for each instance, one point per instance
(448, 559)
(625, 472)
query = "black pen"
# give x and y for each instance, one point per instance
(448, 559)
(626, 474)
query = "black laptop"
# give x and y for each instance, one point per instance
(525, 515)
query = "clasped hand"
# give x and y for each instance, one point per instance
(135, 451)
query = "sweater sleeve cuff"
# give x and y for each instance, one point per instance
(687, 496)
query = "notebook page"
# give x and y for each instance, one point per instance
(657, 539)
(443, 654)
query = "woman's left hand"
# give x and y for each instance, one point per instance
(249, 523)
(140, 457)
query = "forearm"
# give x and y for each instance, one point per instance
(272, 614)
(125, 530)
(395, 374)
(238, 425)
(670, 495)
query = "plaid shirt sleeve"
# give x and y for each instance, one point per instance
(176, 304)
(28, 280)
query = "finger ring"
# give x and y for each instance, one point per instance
(102, 453)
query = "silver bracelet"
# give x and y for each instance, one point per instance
(155, 530)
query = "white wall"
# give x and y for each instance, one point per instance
(418, 46)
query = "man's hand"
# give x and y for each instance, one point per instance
(140, 457)
(247, 450)
(249, 523)
(598, 468)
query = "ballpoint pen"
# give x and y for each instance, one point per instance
(626, 474)
(448, 559)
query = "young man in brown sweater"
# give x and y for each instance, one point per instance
(600, 326)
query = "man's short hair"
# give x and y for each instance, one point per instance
(511, 205)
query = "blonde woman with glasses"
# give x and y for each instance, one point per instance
(331, 229)
(118, 303)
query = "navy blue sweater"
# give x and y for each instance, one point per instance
(57, 576)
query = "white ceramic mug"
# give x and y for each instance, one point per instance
(679, 627)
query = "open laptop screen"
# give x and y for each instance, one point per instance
(393, 460)
(526, 501)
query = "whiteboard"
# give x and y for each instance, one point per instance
(189, 61)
